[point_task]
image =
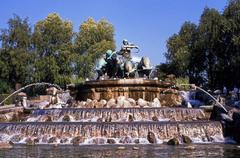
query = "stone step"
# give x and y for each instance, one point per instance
(116, 115)
(10, 113)
(10, 108)
(102, 133)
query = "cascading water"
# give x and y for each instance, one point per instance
(117, 115)
(124, 133)
(141, 124)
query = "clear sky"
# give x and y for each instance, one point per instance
(147, 23)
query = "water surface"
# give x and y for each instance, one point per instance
(116, 151)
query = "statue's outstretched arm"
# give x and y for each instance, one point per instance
(119, 52)
(131, 46)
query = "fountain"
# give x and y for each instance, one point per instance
(118, 114)
(114, 111)
(101, 133)
(30, 85)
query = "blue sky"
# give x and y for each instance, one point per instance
(147, 23)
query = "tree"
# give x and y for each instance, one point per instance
(52, 39)
(92, 41)
(15, 55)
(51, 53)
(179, 49)
(17, 35)
(209, 28)
(208, 53)
(232, 41)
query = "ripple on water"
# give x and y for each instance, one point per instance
(200, 150)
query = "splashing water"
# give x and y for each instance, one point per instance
(30, 85)
(117, 115)
(196, 87)
(100, 133)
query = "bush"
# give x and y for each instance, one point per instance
(181, 81)
(4, 87)
(11, 100)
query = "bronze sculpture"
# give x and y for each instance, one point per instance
(119, 64)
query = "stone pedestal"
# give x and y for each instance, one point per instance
(130, 88)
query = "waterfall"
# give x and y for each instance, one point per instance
(117, 115)
(30, 85)
(202, 131)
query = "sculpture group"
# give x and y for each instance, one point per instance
(119, 64)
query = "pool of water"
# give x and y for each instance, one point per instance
(117, 151)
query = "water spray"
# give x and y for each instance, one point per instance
(196, 87)
(30, 85)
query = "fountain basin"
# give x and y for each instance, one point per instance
(130, 88)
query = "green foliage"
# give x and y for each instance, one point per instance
(52, 39)
(4, 87)
(77, 79)
(93, 33)
(10, 100)
(179, 48)
(15, 54)
(52, 35)
(17, 35)
(208, 53)
(93, 40)
(51, 53)
(163, 70)
(183, 81)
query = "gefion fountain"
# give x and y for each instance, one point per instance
(124, 109)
